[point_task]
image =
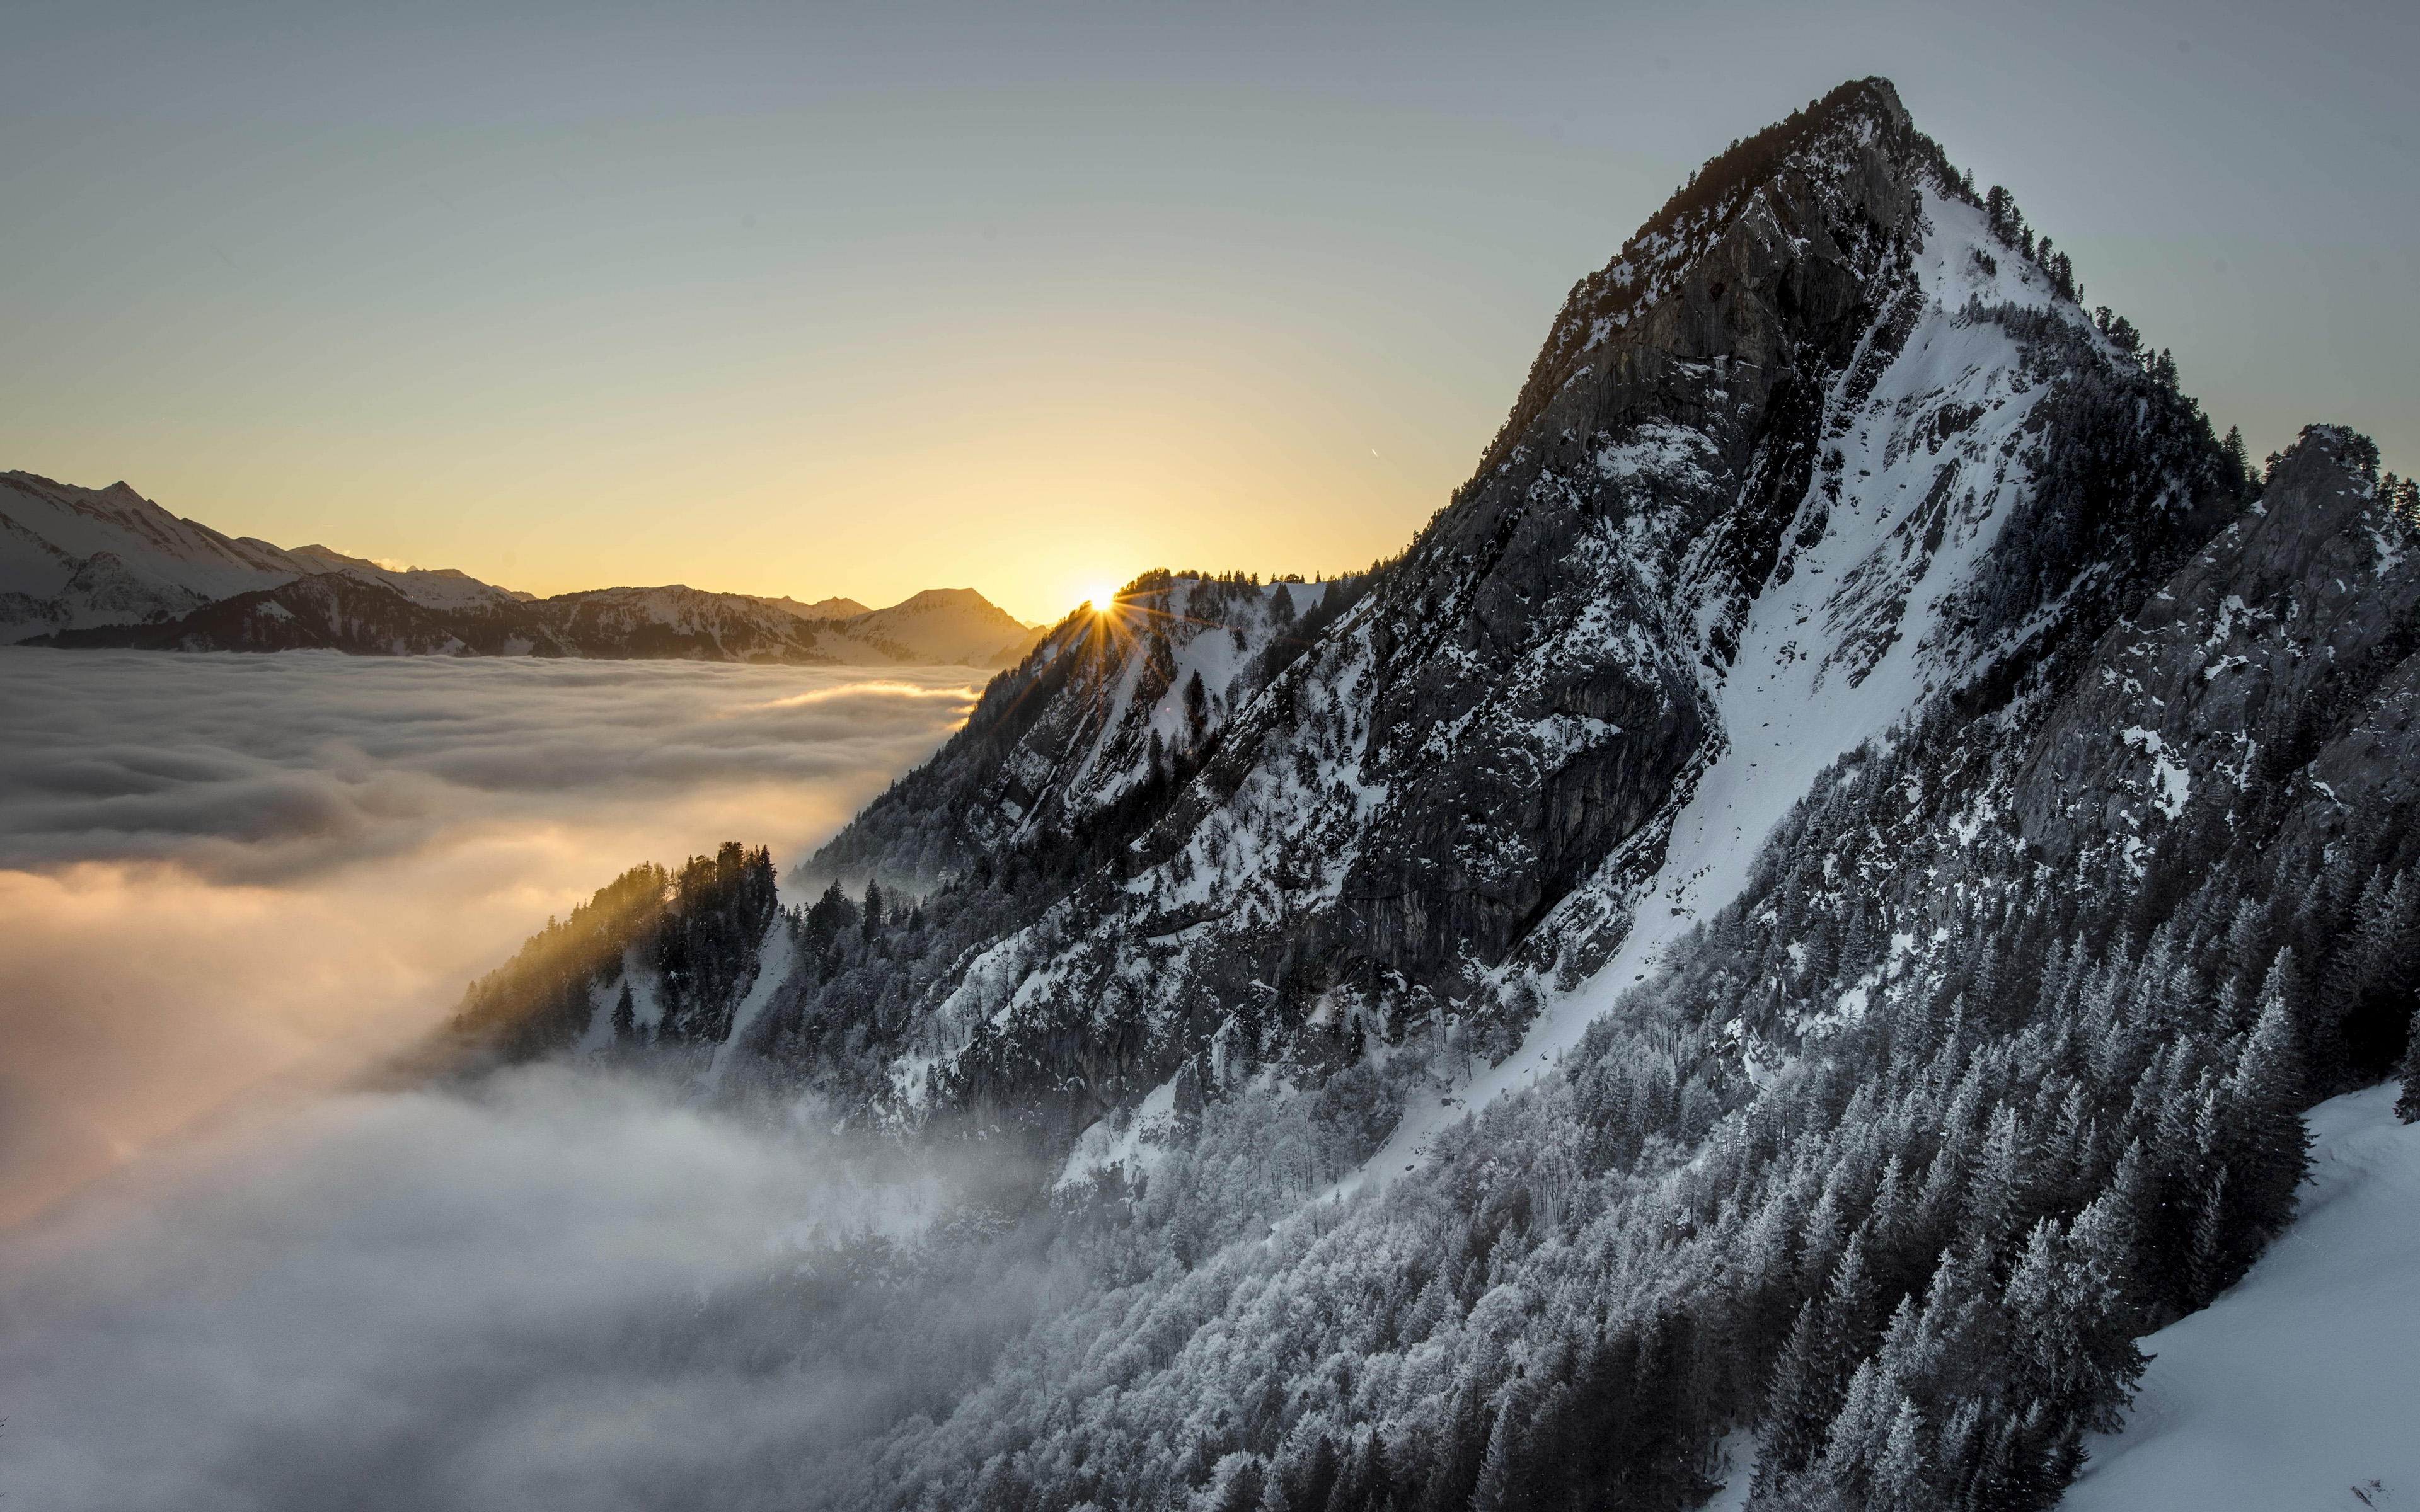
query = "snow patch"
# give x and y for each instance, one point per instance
(1131, 1143)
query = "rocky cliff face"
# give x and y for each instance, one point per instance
(2281, 654)
(1539, 675)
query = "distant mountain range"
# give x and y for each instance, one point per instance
(86, 567)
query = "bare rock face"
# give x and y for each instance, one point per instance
(1642, 492)
(2280, 657)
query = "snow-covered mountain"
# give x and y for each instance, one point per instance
(1788, 928)
(940, 627)
(71, 558)
(822, 609)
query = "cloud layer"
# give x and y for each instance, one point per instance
(225, 871)
(273, 768)
(559, 1292)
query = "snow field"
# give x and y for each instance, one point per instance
(2300, 1388)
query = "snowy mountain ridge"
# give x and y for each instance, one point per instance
(1798, 916)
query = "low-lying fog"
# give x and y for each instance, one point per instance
(229, 881)
(219, 870)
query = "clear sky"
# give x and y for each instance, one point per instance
(814, 301)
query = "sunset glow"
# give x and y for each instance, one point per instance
(793, 376)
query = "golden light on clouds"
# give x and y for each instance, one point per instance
(344, 844)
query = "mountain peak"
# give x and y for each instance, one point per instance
(1772, 219)
(948, 624)
(943, 600)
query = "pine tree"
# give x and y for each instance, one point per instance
(1494, 1491)
(2379, 983)
(1992, 1194)
(1997, 209)
(1242, 1490)
(2268, 1148)
(1797, 1405)
(2239, 462)
(1898, 1479)
(1435, 1305)
(2206, 1270)
(1197, 706)
(625, 1017)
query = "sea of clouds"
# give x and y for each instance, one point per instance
(230, 1278)
(276, 769)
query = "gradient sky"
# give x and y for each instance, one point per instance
(823, 301)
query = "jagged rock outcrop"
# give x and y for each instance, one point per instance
(2284, 650)
(1677, 410)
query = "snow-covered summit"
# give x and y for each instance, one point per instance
(945, 624)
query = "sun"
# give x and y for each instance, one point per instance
(1101, 595)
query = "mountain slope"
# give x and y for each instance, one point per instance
(947, 625)
(822, 609)
(1453, 795)
(1802, 911)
